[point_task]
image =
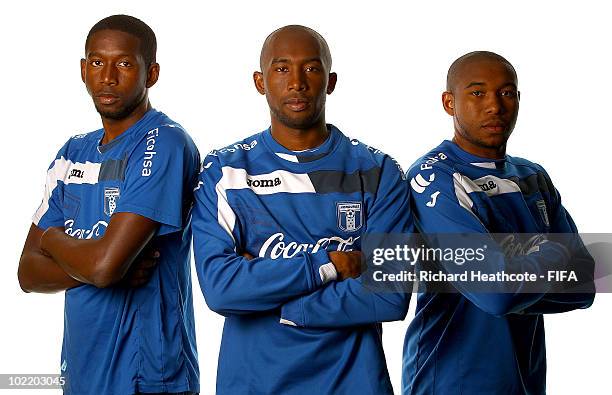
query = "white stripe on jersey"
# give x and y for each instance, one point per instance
(459, 181)
(262, 184)
(289, 157)
(464, 186)
(485, 165)
(225, 214)
(464, 199)
(62, 170)
(277, 181)
(490, 185)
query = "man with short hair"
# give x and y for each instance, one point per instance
(113, 229)
(278, 225)
(473, 341)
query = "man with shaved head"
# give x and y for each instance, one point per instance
(278, 223)
(472, 340)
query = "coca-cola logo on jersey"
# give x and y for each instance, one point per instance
(512, 246)
(276, 247)
(97, 230)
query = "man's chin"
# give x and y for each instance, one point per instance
(498, 142)
(495, 141)
(298, 123)
(117, 114)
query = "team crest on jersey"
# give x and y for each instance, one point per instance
(350, 216)
(111, 195)
(543, 213)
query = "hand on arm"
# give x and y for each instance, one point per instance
(581, 262)
(453, 216)
(347, 264)
(232, 280)
(234, 283)
(348, 303)
(104, 261)
(141, 270)
(37, 271)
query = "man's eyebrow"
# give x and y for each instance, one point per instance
(471, 84)
(285, 60)
(121, 55)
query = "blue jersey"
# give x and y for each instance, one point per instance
(121, 340)
(485, 343)
(290, 328)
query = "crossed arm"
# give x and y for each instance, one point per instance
(52, 261)
(235, 283)
(450, 218)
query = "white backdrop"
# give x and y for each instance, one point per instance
(391, 59)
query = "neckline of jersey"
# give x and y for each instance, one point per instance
(138, 125)
(471, 159)
(320, 153)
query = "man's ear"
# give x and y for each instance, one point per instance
(152, 74)
(331, 83)
(448, 102)
(258, 79)
(83, 65)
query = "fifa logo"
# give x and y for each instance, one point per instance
(349, 216)
(111, 195)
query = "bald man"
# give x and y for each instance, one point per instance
(278, 225)
(479, 341)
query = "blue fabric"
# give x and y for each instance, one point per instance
(485, 343)
(288, 209)
(122, 340)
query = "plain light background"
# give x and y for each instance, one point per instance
(391, 59)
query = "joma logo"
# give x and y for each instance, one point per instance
(487, 186)
(76, 173)
(263, 183)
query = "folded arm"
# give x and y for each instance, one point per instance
(233, 283)
(37, 271)
(104, 261)
(350, 303)
(453, 216)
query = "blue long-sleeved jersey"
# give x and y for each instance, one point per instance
(290, 328)
(485, 343)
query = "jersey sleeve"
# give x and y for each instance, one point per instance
(231, 283)
(159, 178)
(444, 210)
(50, 212)
(582, 262)
(349, 302)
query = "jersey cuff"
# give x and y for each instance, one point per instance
(168, 223)
(328, 272)
(322, 272)
(557, 247)
(292, 313)
(43, 224)
(287, 322)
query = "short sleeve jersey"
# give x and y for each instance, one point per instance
(121, 340)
